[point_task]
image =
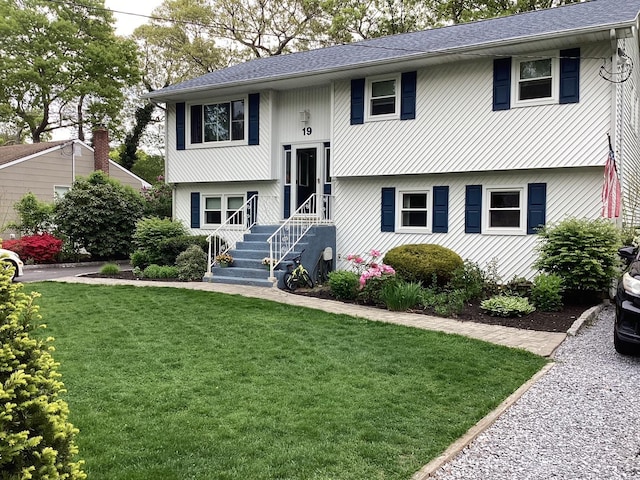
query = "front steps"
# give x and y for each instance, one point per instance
(247, 268)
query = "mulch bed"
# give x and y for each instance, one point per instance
(559, 321)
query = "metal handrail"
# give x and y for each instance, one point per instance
(242, 220)
(316, 210)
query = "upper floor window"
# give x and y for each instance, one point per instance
(535, 81)
(218, 122)
(383, 98)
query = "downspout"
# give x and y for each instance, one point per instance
(618, 124)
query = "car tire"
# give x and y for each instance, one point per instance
(622, 347)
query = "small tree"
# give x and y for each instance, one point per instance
(582, 252)
(36, 440)
(34, 216)
(100, 214)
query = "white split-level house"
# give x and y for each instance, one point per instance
(468, 136)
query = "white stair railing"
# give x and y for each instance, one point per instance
(315, 211)
(231, 231)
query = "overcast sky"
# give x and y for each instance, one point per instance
(125, 24)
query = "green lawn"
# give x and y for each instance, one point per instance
(179, 384)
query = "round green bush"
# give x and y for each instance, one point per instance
(344, 284)
(424, 262)
(191, 264)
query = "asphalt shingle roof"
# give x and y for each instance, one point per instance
(10, 153)
(596, 14)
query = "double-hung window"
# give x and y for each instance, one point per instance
(536, 81)
(383, 98)
(218, 122)
(414, 212)
(219, 208)
(505, 210)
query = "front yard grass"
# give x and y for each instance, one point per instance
(179, 384)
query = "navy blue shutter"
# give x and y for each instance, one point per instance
(196, 123)
(287, 201)
(387, 223)
(473, 209)
(357, 101)
(536, 206)
(570, 76)
(502, 84)
(254, 119)
(195, 209)
(180, 126)
(408, 96)
(440, 209)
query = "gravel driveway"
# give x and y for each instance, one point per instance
(580, 421)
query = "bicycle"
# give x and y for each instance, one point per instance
(297, 275)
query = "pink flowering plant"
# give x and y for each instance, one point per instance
(373, 274)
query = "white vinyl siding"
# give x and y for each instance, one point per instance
(456, 130)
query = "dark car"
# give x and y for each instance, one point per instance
(626, 332)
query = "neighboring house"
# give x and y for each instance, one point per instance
(48, 170)
(468, 136)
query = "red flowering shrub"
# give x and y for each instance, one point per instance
(41, 248)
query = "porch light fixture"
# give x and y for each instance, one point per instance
(304, 116)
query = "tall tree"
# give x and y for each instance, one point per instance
(62, 65)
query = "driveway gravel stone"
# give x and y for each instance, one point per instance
(579, 421)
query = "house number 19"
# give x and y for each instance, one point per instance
(306, 131)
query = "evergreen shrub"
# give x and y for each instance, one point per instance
(36, 439)
(422, 262)
(191, 264)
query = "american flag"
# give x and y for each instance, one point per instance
(611, 192)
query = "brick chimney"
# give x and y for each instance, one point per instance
(101, 149)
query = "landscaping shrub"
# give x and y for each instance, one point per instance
(36, 439)
(582, 252)
(546, 293)
(446, 304)
(420, 262)
(371, 291)
(99, 214)
(39, 248)
(507, 306)
(110, 269)
(170, 248)
(191, 264)
(160, 271)
(343, 284)
(147, 237)
(469, 279)
(158, 200)
(518, 287)
(34, 216)
(399, 296)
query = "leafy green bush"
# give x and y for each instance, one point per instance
(469, 279)
(99, 214)
(149, 234)
(344, 284)
(371, 291)
(446, 304)
(420, 262)
(518, 287)
(582, 252)
(160, 271)
(507, 306)
(35, 216)
(170, 248)
(546, 293)
(399, 296)
(109, 269)
(36, 439)
(191, 264)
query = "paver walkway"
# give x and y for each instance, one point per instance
(540, 343)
